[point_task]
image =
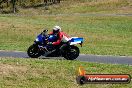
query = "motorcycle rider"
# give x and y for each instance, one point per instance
(61, 36)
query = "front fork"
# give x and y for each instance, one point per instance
(41, 48)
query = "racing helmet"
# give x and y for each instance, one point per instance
(56, 29)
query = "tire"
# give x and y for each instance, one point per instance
(81, 80)
(71, 53)
(33, 51)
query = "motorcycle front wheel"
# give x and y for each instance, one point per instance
(33, 51)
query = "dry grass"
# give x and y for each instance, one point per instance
(32, 73)
(7, 69)
(82, 6)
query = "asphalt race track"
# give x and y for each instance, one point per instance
(82, 57)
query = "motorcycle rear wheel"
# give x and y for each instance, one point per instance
(71, 53)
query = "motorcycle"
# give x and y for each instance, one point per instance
(67, 49)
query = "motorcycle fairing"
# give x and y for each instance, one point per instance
(76, 40)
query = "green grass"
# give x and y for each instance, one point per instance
(45, 73)
(83, 6)
(106, 35)
(78, 6)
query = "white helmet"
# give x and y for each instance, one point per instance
(56, 29)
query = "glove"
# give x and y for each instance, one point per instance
(49, 43)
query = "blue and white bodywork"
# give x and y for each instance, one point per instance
(76, 40)
(40, 38)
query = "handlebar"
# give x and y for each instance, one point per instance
(44, 33)
(45, 30)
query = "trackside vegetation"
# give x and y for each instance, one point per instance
(103, 35)
(37, 7)
(49, 73)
